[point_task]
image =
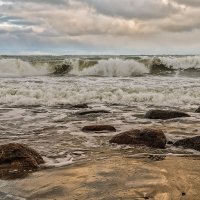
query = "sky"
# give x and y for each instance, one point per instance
(99, 27)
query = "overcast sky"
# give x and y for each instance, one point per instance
(99, 26)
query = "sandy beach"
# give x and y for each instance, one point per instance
(115, 177)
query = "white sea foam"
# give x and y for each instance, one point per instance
(19, 68)
(112, 68)
(182, 63)
(58, 162)
(140, 90)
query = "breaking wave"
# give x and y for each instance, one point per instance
(106, 67)
(181, 63)
(19, 68)
(113, 68)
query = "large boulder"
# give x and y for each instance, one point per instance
(164, 114)
(190, 143)
(198, 110)
(19, 157)
(148, 137)
(93, 128)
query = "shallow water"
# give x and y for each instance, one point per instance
(111, 178)
(39, 114)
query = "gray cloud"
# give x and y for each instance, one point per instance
(56, 2)
(193, 3)
(142, 9)
(94, 26)
(187, 21)
(16, 20)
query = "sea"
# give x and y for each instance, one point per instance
(41, 98)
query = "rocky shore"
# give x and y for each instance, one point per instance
(20, 157)
(109, 166)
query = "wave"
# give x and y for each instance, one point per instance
(180, 63)
(19, 68)
(77, 67)
(157, 91)
(101, 66)
(112, 68)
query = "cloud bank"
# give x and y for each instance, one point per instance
(100, 26)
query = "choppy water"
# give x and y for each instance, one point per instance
(36, 102)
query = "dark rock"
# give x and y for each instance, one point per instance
(62, 69)
(19, 157)
(83, 105)
(164, 114)
(198, 110)
(170, 142)
(147, 137)
(157, 157)
(87, 112)
(191, 143)
(99, 128)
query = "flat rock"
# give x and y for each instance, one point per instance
(164, 114)
(146, 137)
(87, 112)
(19, 157)
(190, 143)
(198, 110)
(93, 128)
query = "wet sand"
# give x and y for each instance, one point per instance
(116, 177)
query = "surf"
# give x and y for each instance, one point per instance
(120, 66)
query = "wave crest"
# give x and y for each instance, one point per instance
(19, 68)
(112, 68)
(181, 63)
(125, 66)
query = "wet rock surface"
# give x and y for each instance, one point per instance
(93, 128)
(191, 143)
(198, 110)
(62, 69)
(17, 158)
(83, 105)
(148, 137)
(165, 114)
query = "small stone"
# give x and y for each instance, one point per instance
(164, 114)
(83, 105)
(183, 193)
(93, 128)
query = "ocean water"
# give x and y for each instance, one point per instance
(38, 94)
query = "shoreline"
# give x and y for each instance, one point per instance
(115, 177)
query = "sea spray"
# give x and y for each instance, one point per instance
(120, 66)
(19, 68)
(181, 63)
(113, 68)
